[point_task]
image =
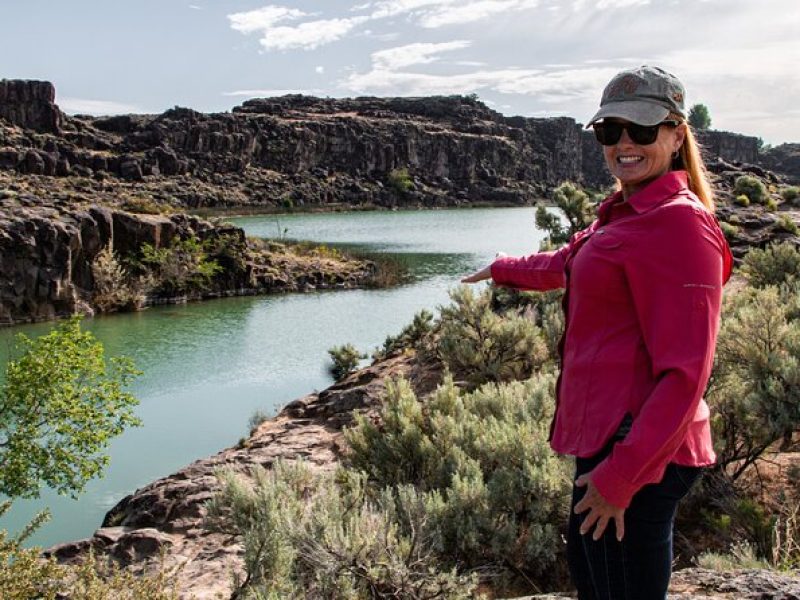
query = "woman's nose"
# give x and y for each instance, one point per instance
(625, 139)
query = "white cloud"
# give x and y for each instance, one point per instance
(88, 106)
(422, 84)
(195, 7)
(263, 19)
(270, 93)
(309, 35)
(320, 69)
(606, 4)
(560, 86)
(473, 11)
(413, 54)
(392, 8)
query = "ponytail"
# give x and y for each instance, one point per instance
(690, 159)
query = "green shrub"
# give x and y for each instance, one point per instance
(23, 574)
(741, 556)
(113, 287)
(323, 536)
(728, 230)
(771, 204)
(742, 200)
(141, 205)
(752, 187)
(415, 335)
(96, 579)
(754, 392)
(478, 345)
(791, 193)
(482, 458)
(255, 420)
(774, 265)
(400, 181)
(578, 208)
(183, 267)
(786, 223)
(344, 360)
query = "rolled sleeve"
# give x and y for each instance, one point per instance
(675, 281)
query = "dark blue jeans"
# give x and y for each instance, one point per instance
(638, 567)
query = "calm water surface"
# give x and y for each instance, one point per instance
(208, 366)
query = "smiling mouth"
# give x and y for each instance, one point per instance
(629, 160)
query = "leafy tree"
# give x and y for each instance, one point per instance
(61, 404)
(699, 117)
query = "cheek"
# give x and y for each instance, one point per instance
(608, 154)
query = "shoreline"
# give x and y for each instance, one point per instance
(257, 211)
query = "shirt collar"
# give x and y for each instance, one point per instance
(650, 196)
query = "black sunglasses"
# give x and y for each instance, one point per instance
(609, 132)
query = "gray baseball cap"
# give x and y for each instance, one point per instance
(645, 95)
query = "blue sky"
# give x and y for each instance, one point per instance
(528, 57)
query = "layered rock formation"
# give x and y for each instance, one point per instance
(303, 151)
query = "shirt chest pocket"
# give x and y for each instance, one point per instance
(599, 270)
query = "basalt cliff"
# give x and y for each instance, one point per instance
(297, 151)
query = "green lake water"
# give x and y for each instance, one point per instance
(209, 366)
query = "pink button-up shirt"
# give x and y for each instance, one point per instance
(642, 303)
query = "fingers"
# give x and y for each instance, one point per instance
(582, 480)
(602, 522)
(589, 522)
(619, 520)
(484, 273)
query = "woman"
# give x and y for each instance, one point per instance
(642, 303)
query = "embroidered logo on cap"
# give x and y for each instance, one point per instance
(625, 86)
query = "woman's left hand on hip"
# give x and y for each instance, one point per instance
(601, 512)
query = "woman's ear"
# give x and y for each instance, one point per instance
(680, 135)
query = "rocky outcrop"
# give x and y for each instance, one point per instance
(47, 251)
(703, 584)
(30, 105)
(784, 159)
(729, 147)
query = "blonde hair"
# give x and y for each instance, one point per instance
(690, 159)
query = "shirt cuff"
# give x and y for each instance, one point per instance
(614, 488)
(497, 267)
